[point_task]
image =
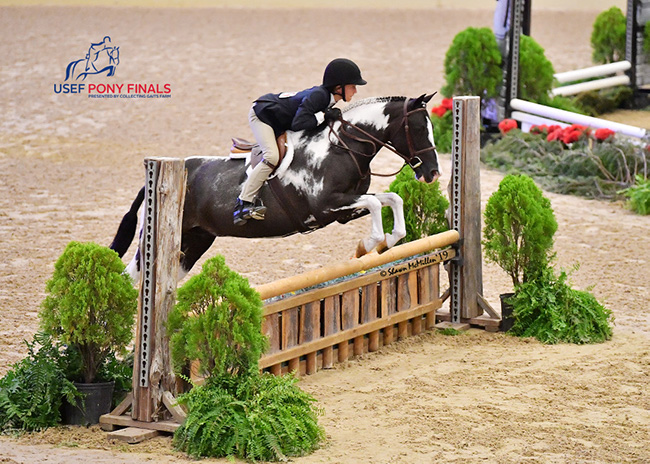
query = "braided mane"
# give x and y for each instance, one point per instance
(371, 100)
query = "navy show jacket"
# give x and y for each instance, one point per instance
(293, 111)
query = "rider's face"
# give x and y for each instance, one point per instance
(350, 91)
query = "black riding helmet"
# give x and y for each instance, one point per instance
(342, 71)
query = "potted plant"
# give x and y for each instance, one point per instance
(90, 307)
(518, 233)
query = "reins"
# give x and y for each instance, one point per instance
(412, 160)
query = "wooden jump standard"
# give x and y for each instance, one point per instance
(310, 330)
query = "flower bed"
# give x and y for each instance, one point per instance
(573, 159)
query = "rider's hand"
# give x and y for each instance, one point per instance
(332, 114)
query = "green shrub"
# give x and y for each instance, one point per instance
(424, 206)
(535, 71)
(597, 102)
(260, 417)
(548, 309)
(91, 305)
(32, 391)
(443, 131)
(608, 36)
(563, 103)
(519, 228)
(238, 412)
(217, 320)
(638, 195)
(473, 64)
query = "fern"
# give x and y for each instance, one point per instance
(31, 393)
(260, 417)
(638, 195)
(548, 309)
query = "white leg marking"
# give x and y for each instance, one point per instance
(399, 226)
(377, 232)
(132, 268)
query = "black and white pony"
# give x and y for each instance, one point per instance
(324, 177)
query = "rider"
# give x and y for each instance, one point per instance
(273, 114)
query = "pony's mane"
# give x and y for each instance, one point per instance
(371, 100)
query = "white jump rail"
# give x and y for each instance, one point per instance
(554, 114)
(593, 71)
(589, 73)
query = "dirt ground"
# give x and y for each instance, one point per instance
(71, 165)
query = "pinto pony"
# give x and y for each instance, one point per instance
(324, 177)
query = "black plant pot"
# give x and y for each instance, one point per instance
(506, 312)
(96, 400)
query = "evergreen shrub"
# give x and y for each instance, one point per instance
(535, 71)
(217, 321)
(473, 64)
(519, 228)
(238, 411)
(90, 306)
(608, 36)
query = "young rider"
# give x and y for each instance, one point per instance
(273, 114)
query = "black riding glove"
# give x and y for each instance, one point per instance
(332, 114)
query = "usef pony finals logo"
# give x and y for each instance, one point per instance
(102, 59)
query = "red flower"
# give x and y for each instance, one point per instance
(554, 134)
(570, 135)
(447, 103)
(507, 125)
(603, 134)
(539, 130)
(439, 111)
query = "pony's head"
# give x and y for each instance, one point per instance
(411, 134)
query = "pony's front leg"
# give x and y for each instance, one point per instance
(373, 205)
(399, 226)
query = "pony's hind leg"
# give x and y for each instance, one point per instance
(133, 268)
(194, 243)
(399, 226)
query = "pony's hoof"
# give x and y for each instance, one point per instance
(382, 246)
(361, 250)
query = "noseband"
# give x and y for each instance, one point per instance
(412, 159)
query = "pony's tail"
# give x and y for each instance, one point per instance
(126, 231)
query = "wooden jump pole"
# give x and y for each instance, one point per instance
(307, 279)
(152, 400)
(160, 252)
(466, 270)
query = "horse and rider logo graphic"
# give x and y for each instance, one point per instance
(101, 58)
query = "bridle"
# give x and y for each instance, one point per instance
(413, 159)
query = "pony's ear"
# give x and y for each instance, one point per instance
(421, 101)
(427, 98)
